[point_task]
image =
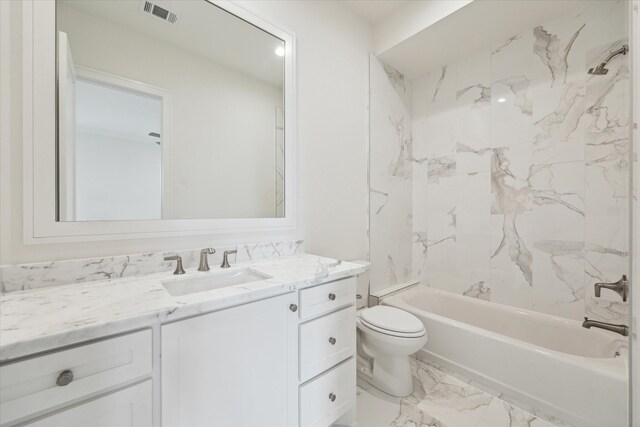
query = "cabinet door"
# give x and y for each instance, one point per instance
(130, 407)
(235, 367)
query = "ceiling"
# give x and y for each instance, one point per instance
(462, 33)
(373, 11)
(202, 29)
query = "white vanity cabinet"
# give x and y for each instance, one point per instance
(130, 407)
(283, 361)
(280, 362)
(234, 367)
(115, 372)
(327, 372)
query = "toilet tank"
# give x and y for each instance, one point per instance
(362, 284)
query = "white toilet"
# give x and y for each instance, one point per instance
(387, 336)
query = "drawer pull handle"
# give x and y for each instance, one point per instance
(293, 307)
(332, 296)
(332, 340)
(332, 397)
(65, 378)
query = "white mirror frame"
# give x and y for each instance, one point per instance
(39, 164)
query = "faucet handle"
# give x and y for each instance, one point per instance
(179, 269)
(225, 259)
(621, 287)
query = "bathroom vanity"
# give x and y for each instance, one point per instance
(263, 343)
(283, 347)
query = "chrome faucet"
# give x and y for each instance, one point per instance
(621, 287)
(618, 329)
(225, 260)
(179, 269)
(204, 259)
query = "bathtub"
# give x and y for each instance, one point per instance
(548, 363)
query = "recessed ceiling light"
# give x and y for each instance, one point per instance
(501, 100)
(280, 51)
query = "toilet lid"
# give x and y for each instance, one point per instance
(392, 319)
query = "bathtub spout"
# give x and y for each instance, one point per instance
(618, 329)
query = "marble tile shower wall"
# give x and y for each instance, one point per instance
(390, 176)
(504, 175)
(43, 274)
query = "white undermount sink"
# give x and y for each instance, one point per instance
(212, 280)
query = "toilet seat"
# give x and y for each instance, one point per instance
(392, 321)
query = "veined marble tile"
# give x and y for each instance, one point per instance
(44, 274)
(438, 261)
(375, 408)
(450, 400)
(263, 250)
(433, 136)
(479, 290)
(423, 357)
(474, 96)
(473, 70)
(559, 46)
(442, 197)
(559, 122)
(511, 123)
(473, 257)
(440, 167)
(510, 168)
(558, 278)
(558, 196)
(500, 413)
(430, 243)
(511, 263)
(473, 108)
(471, 160)
(390, 176)
(606, 21)
(473, 205)
(511, 111)
(513, 57)
(607, 136)
(443, 84)
(525, 147)
(606, 260)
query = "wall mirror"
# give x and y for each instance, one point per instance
(168, 116)
(167, 111)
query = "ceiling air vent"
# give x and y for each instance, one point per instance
(158, 11)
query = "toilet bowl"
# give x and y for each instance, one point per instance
(387, 337)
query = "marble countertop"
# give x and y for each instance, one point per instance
(33, 321)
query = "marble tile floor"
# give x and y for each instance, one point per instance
(439, 400)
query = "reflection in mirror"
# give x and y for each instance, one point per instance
(167, 110)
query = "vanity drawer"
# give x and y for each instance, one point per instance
(40, 384)
(328, 397)
(130, 407)
(327, 341)
(328, 297)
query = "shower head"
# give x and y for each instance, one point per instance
(601, 69)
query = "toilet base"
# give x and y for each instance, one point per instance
(392, 375)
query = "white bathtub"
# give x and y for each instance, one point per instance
(550, 363)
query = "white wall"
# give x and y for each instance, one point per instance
(223, 125)
(332, 56)
(410, 19)
(332, 70)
